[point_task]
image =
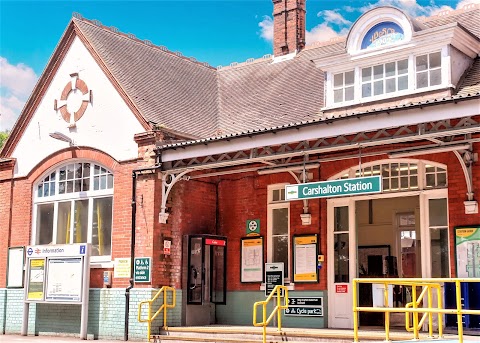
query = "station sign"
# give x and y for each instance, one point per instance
(336, 188)
(142, 269)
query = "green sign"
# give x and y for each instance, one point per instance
(253, 227)
(359, 185)
(142, 269)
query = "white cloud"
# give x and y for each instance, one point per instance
(413, 8)
(333, 17)
(266, 28)
(16, 83)
(322, 33)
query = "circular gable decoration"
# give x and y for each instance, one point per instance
(73, 100)
(378, 28)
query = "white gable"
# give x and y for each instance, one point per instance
(107, 124)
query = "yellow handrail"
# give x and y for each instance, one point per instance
(428, 284)
(277, 291)
(164, 307)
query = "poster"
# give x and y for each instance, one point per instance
(252, 260)
(305, 258)
(36, 279)
(467, 244)
(122, 267)
(64, 280)
(15, 267)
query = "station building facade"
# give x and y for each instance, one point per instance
(126, 143)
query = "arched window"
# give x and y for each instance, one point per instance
(402, 175)
(73, 204)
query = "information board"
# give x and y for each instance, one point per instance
(305, 258)
(64, 279)
(252, 259)
(36, 279)
(467, 251)
(274, 275)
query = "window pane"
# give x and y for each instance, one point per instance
(366, 74)
(378, 71)
(439, 251)
(390, 85)
(422, 80)
(338, 80)
(63, 173)
(280, 251)
(102, 227)
(402, 83)
(349, 78)
(413, 182)
(441, 179)
(421, 63)
(44, 224)
(341, 219)
(80, 225)
(341, 257)
(437, 212)
(40, 190)
(430, 180)
(435, 77)
(378, 87)
(338, 95)
(86, 169)
(348, 93)
(280, 221)
(402, 67)
(435, 60)
(390, 69)
(63, 222)
(366, 90)
(276, 195)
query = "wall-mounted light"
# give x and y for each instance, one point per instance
(429, 150)
(61, 137)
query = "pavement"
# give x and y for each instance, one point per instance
(49, 339)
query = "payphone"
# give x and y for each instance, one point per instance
(206, 277)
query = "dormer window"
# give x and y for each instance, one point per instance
(343, 86)
(381, 34)
(385, 78)
(429, 70)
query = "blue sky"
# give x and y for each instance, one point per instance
(218, 32)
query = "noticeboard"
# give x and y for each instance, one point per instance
(274, 276)
(467, 251)
(251, 259)
(142, 269)
(16, 260)
(64, 279)
(305, 258)
(36, 279)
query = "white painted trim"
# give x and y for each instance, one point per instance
(336, 128)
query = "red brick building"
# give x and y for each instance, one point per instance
(193, 160)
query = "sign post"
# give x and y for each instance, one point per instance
(274, 275)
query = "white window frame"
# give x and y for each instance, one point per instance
(384, 79)
(343, 87)
(90, 195)
(272, 205)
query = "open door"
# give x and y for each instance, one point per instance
(206, 280)
(341, 262)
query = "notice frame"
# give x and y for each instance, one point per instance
(305, 258)
(465, 236)
(252, 259)
(15, 267)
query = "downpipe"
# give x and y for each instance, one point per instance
(135, 173)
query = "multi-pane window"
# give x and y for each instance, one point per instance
(385, 78)
(343, 85)
(403, 176)
(428, 69)
(73, 204)
(278, 227)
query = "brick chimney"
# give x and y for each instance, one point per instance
(288, 26)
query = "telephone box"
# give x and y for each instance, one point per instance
(204, 278)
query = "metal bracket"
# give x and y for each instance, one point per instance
(168, 181)
(466, 160)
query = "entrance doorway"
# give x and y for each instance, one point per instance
(206, 278)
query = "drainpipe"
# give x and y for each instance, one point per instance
(135, 172)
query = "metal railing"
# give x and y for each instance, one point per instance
(164, 307)
(414, 308)
(277, 310)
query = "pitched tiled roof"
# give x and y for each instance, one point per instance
(265, 94)
(180, 94)
(168, 90)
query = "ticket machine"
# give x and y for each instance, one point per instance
(204, 281)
